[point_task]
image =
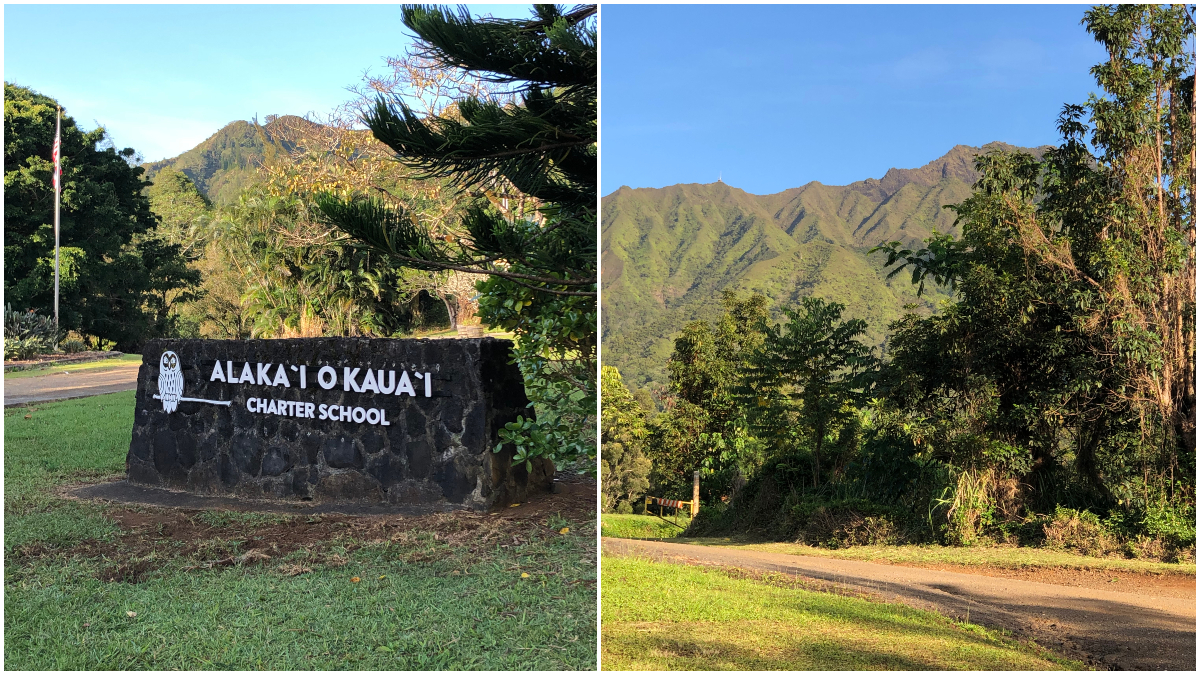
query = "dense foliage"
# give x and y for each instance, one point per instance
(703, 427)
(1067, 360)
(271, 270)
(118, 280)
(537, 145)
(807, 380)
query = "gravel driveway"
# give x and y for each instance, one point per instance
(56, 386)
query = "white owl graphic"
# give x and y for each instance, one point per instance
(170, 381)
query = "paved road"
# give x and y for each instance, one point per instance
(71, 384)
(1124, 631)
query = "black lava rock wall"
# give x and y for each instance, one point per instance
(277, 419)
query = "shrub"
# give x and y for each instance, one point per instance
(73, 346)
(981, 503)
(22, 349)
(837, 528)
(1174, 524)
(1080, 531)
(28, 333)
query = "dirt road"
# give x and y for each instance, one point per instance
(1123, 631)
(56, 386)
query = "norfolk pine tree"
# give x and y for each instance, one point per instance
(539, 145)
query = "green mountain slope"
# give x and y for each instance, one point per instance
(227, 161)
(666, 254)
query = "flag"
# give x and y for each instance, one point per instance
(55, 155)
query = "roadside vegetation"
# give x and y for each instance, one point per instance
(1048, 403)
(93, 586)
(663, 616)
(994, 557)
(629, 526)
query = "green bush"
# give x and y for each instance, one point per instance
(1080, 531)
(1175, 524)
(73, 346)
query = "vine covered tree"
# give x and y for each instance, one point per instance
(1074, 322)
(536, 144)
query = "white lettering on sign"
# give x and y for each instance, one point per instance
(349, 379)
(358, 380)
(405, 386)
(331, 381)
(304, 409)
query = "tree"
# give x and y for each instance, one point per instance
(1075, 280)
(703, 427)
(624, 468)
(542, 146)
(297, 278)
(117, 279)
(1144, 259)
(808, 378)
(537, 144)
(184, 213)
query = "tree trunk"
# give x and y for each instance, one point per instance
(817, 456)
(1085, 455)
(451, 310)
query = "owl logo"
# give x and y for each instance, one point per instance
(170, 381)
(170, 384)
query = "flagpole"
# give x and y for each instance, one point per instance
(57, 198)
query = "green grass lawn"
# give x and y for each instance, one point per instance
(630, 526)
(520, 595)
(664, 616)
(101, 365)
(1009, 557)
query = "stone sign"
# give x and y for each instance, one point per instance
(404, 422)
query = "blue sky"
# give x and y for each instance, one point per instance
(772, 97)
(162, 78)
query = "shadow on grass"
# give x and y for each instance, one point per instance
(769, 646)
(668, 616)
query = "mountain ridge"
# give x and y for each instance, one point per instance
(226, 162)
(667, 253)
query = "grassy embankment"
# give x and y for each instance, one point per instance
(629, 526)
(83, 592)
(1008, 557)
(663, 616)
